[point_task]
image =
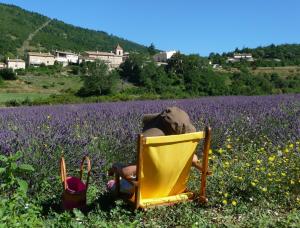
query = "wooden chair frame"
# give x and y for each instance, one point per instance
(201, 166)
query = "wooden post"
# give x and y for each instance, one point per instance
(87, 159)
(63, 173)
(138, 172)
(206, 147)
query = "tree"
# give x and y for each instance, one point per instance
(132, 67)
(151, 49)
(155, 79)
(176, 63)
(98, 80)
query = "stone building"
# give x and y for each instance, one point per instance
(15, 64)
(65, 58)
(38, 58)
(2, 65)
(237, 57)
(113, 59)
(163, 56)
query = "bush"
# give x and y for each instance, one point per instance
(12, 103)
(16, 209)
(8, 74)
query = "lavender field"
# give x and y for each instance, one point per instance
(255, 154)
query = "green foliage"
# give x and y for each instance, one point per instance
(248, 84)
(131, 69)
(141, 70)
(44, 70)
(98, 80)
(262, 173)
(151, 49)
(9, 171)
(16, 209)
(8, 74)
(16, 24)
(268, 56)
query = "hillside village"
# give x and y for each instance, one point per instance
(113, 58)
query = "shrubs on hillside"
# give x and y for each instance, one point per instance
(98, 80)
(8, 74)
(191, 75)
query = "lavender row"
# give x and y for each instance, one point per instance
(46, 130)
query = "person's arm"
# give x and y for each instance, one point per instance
(126, 172)
(196, 163)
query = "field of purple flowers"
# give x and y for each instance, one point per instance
(255, 152)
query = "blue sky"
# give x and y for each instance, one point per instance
(191, 26)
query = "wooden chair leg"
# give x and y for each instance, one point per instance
(202, 197)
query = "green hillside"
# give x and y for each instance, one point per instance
(20, 32)
(267, 56)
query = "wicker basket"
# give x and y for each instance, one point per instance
(74, 189)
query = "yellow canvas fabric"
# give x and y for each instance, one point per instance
(165, 165)
(166, 200)
(174, 138)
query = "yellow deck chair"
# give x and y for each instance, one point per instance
(163, 169)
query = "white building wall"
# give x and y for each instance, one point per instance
(163, 56)
(38, 60)
(72, 58)
(15, 65)
(66, 58)
(2, 65)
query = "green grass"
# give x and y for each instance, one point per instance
(232, 181)
(38, 87)
(53, 84)
(283, 71)
(4, 97)
(42, 84)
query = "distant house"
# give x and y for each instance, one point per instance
(237, 57)
(66, 57)
(2, 65)
(163, 56)
(15, 64)
(38, 58)
(216, 66)
(112, 59)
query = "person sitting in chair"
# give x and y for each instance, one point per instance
(171, 121)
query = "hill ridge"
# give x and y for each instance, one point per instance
(16, 25)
